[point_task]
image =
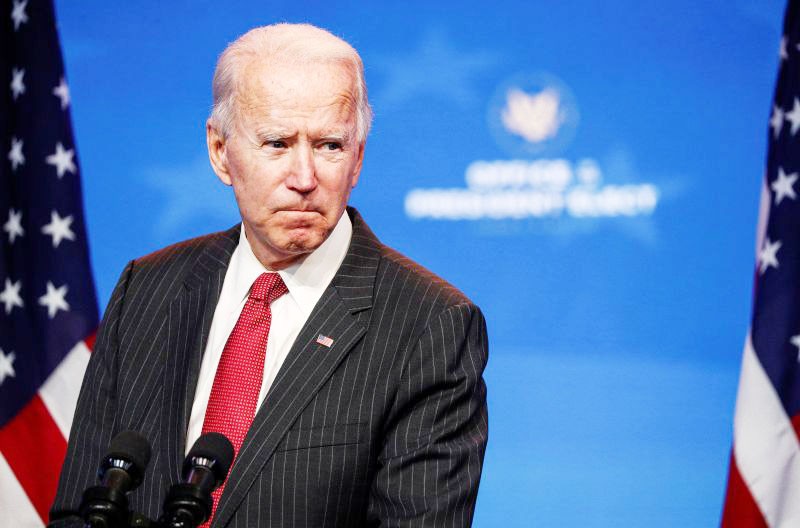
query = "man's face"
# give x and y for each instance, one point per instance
(292, 156)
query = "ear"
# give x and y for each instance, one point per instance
(217, 153)
(359, 163)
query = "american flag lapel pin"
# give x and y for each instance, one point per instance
(324, 340)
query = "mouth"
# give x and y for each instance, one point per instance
(298, 218)
(298, 207)
(300, 211)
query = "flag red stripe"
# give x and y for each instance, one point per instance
(90, 341)
(34, 447)
(740, 510)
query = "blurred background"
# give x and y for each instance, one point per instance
(587, 172)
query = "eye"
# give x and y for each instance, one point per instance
(276, 144)
(332, 145)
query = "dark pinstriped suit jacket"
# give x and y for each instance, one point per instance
(387, 427)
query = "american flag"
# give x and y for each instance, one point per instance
(764, 479)
(48, 306)
(324, 340)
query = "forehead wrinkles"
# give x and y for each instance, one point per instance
(291, 85)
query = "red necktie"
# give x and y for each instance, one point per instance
(234, 394)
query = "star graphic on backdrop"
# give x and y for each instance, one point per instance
(62, 160)
(17, 83)
(58, 228)
(784, 54)
(768, 256)
(6, 365)
(783, 186)
(18, 14)
(13, 225)
(436, 67)
(15, 155)
(62, 92)
(54, 299)
(795, 340)
(794, 116)
(10, 295)
(776, 121)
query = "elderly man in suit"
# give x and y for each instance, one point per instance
(348, 378)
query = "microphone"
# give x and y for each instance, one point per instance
(121, 470)
(189, 503)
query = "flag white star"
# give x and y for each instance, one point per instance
(10, 295)
(58, 228)
(18, 14)
(783, 52)
(6, 365)
(795, 340)
(794, 116)
(62, 160)
(13, 225)
(784, 186)
(776, 121)
(62, 92)
(768, 256)
(17, 84)
(15, 155)
(54, 299)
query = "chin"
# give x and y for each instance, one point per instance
(300, 241)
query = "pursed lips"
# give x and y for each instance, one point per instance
(300, 217)
(297, 210)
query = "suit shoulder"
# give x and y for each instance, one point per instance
(172, 263)
(398, 279)
(188, 249)
(415, 284)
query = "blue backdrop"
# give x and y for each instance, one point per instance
(588, 172)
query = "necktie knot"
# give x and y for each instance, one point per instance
(268, 287)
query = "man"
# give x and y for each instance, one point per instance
(350, 382)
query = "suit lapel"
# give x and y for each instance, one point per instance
(189, 320)
(341, 315)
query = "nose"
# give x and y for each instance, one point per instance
(303, 176)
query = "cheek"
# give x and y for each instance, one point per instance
(339, 184)
(253, 187)
(252, 198)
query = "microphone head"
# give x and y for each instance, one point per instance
(218, 452)
(132, 448)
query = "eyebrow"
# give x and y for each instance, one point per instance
(269, 134)
(342, 136)
(272, 134)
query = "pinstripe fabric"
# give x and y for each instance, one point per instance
(387, 427)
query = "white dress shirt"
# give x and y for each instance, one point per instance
(306, 280)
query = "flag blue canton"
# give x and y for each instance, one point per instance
(776, 311)
(47, 297)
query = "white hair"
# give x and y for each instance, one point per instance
(298, 42)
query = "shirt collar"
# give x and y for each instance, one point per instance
(305, 279)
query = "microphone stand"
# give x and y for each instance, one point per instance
(188, 504)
